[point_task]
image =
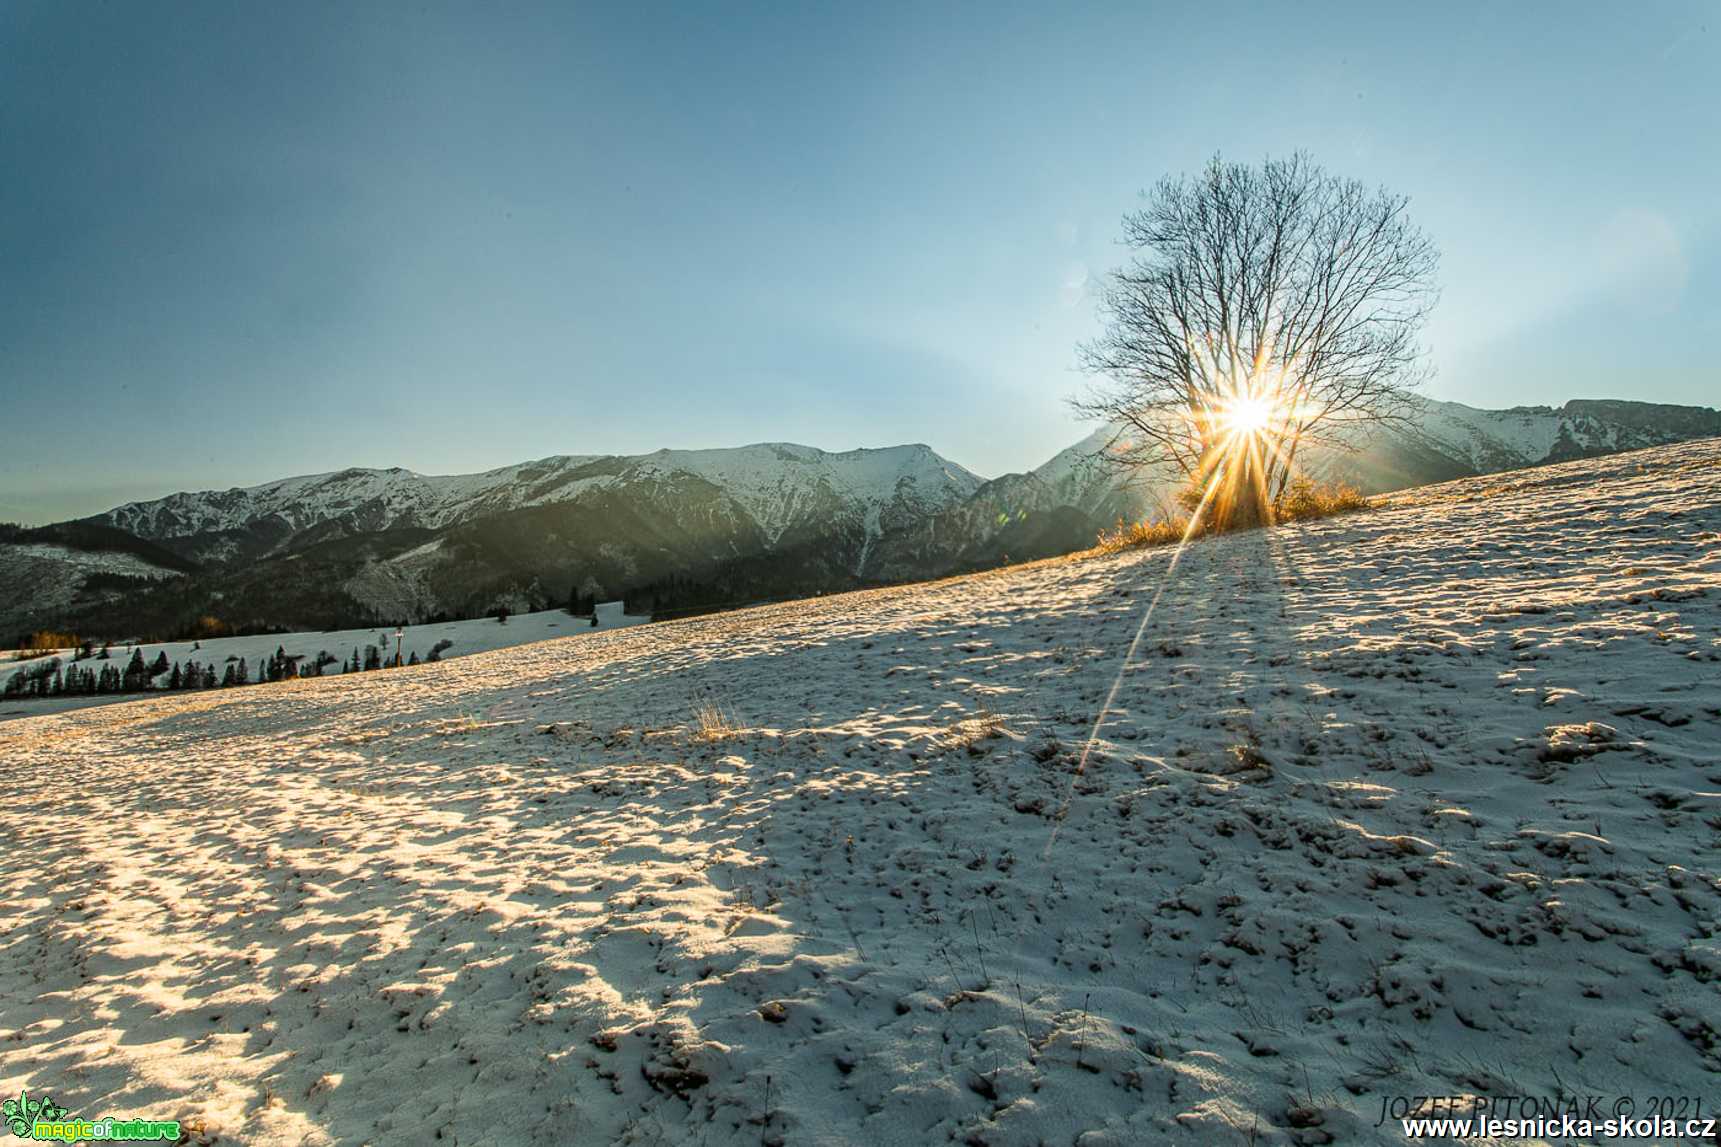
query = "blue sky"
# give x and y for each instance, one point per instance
(242, 241)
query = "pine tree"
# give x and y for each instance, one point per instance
(230, 677)
(175, 681)
(159, 666)
(136, 673)
(243, 676)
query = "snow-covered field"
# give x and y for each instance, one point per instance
(1423, 801)
(473, 635)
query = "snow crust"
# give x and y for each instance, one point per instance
(1415, 802)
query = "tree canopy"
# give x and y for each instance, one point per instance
(1265, 308)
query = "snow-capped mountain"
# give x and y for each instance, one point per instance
(676, 529)
(1472, 441)
(778, 486)
(1446, 440)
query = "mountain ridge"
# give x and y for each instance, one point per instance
(394, 497)
(674, 530)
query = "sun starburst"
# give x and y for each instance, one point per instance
(1247, 415)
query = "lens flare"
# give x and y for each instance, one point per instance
(1241, 436)
(1247, 415)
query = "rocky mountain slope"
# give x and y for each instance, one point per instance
(1451, 440)
(678, 530)
(775, 487)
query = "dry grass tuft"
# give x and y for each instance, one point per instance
(1304, 499)
(1309, 499)
(711, 724)
(454, 726)
(974, 731)
(1129, 535)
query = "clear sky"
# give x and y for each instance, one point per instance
(240, 241)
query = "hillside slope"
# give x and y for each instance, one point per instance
(1416, 802)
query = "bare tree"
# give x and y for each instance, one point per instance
(1266, 308)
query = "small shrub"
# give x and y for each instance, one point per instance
(207, 626)
(45, 641)
(1306, 498)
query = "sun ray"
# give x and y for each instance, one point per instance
(1189, 531)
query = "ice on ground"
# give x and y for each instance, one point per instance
(1422, 801)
